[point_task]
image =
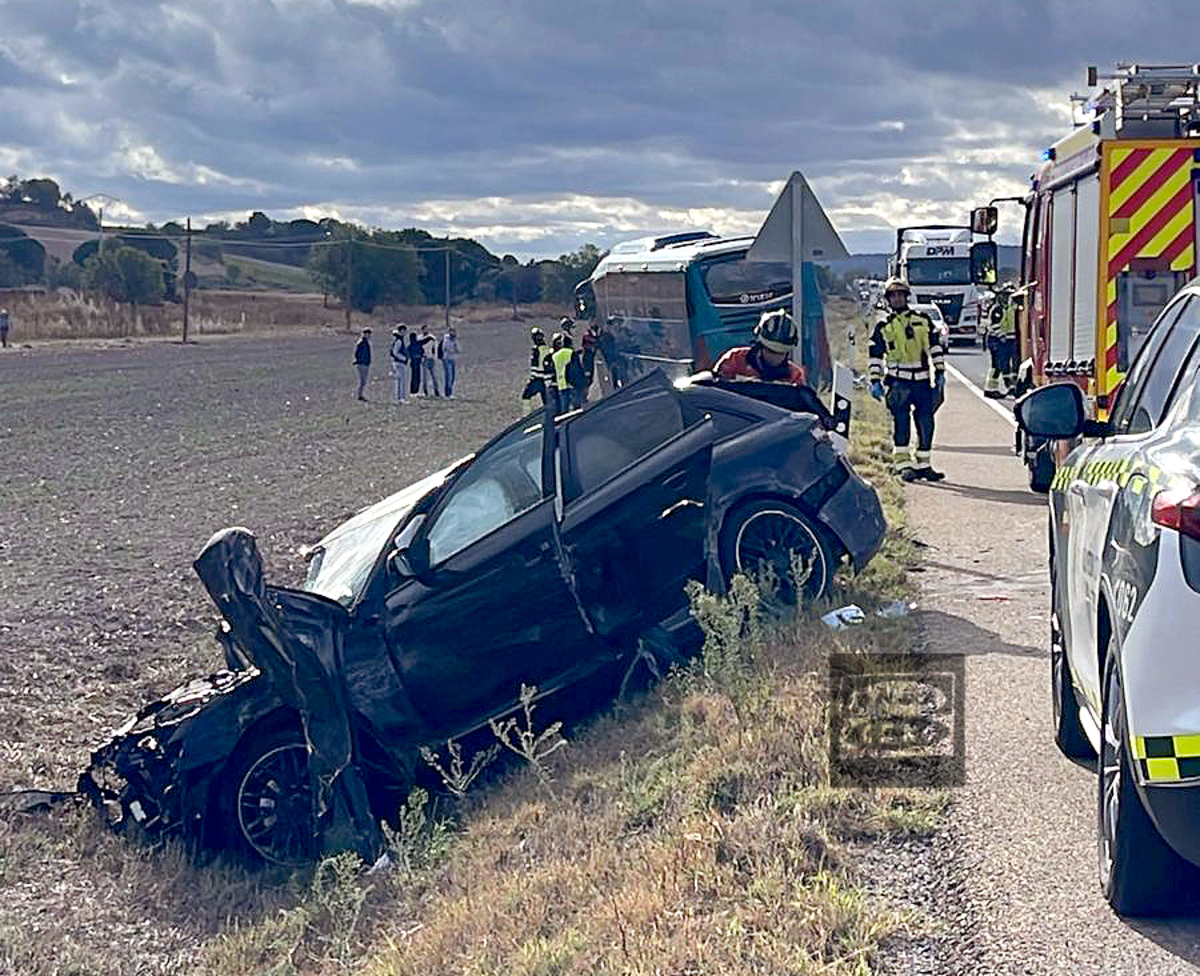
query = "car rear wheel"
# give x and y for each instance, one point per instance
(265, 804)
(766, 538)
(1139, 873)
(1069, 736)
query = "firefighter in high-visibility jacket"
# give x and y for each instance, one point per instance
(905, 350)
(1002, 347)
(558, 384)
(536, 385)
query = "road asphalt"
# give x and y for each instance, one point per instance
(1012, 880)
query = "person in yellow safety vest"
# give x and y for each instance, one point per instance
(536, 386)
(556, 363)
(1002, 347)
(909, 345)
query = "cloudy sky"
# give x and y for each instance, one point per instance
(537, 125)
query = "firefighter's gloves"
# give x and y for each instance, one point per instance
(940, 382)
(877, 390)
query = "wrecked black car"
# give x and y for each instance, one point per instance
(538, 561)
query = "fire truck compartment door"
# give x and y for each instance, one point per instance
(1087, 255)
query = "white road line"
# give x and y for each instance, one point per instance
(1003, 411)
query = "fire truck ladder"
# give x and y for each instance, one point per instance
(1150, 96)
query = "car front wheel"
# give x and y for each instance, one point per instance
(1139, 873)
(775, 540)
(266, 803)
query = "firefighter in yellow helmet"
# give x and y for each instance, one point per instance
(905, 350)
(1002, 346)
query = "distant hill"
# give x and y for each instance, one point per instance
(875, 265)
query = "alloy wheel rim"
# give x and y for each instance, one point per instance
(766, 543)
(1110, 779)
(274, 805)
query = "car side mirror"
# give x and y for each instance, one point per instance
(410, 557)
(1055, 411)
(983, 263)
(984, 220)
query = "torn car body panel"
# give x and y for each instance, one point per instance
(540, 560)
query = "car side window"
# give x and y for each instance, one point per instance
(1125, 407)
(502, 483)
(1160, 380)
(605, 440)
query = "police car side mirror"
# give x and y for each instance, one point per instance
(1056, 411)
(983, 263)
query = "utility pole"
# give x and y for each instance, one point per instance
(447, 289)
(349, 274)
(187, 279)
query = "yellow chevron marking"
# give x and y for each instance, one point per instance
(1148, 167)
(1186, 259)
(1148, 210)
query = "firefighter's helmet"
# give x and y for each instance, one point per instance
(896, 284)
(777, 331)
(537, 335)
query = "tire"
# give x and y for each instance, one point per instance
(268, 774)
(1041, 471)
(763, 536)
(1069, 736)
(1139, 873)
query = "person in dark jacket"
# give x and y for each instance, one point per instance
(362, 362)
(416, 352)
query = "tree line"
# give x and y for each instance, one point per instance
(363, 267)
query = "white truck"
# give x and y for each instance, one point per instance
(935, 260)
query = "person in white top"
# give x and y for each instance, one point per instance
(449, 352)
(399, 354)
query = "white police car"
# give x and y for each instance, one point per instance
(1125, 631)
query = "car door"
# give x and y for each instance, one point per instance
(489, 608)
(1093, 489)
(632, 481)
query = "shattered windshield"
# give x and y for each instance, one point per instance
(341, 562)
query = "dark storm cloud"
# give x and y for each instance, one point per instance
(540, 124)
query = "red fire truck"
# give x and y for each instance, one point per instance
(1110, 234)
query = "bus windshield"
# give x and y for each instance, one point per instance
(939, 271)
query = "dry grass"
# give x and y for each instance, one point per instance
(66, 314)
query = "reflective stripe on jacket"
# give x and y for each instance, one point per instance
(909, 344)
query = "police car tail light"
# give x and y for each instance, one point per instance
(1179, 509)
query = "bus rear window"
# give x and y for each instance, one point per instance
(740, 282)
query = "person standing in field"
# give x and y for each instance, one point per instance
(362, 362)
(416, 352)
(399, 354)
(428, 367)
(4, 323)
(449, 351)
